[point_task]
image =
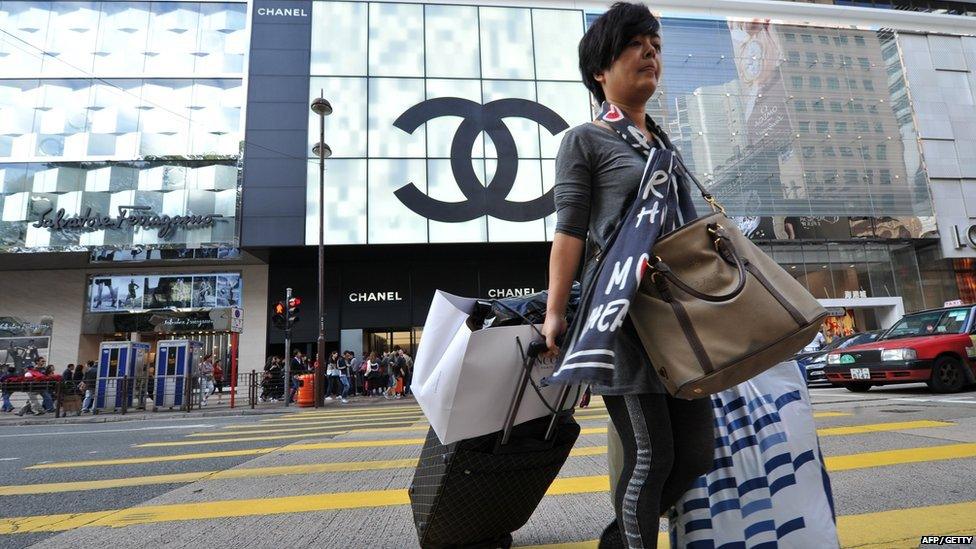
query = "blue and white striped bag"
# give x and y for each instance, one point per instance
(768, 487)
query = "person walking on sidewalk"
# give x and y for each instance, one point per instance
(218, 377)
(667, 442)
(88, 381)
(332, 376)
(343, 365)
(407, 370)
(206, 379)
(32, 376)
(9, 371)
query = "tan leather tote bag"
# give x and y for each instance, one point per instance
(713, 310)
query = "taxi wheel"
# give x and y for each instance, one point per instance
(859, 387)
(947, 376)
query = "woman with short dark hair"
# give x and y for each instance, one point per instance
(667, 442)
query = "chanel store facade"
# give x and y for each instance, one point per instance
(447, 119)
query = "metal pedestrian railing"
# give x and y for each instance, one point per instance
(125, 394)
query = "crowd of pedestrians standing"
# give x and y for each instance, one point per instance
(387, 374)
(38, 379)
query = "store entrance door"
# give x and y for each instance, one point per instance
(381, 341)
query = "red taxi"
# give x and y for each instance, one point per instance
(937, 346)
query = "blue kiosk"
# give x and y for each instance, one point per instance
(176, 361)
(120, 364)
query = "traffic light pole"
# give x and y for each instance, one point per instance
(287, 346)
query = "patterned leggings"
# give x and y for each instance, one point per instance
(667, 444)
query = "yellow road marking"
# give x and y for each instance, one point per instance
(881, 427)
(153, 459)
(318, 427)
(307, 417)
(252, 451)
(831, 414)
(896, 528)
(343, 415)
(313, 434)
(281, 437)
(367, 412)
(824, 432)
(834, 463)
(902, 456)
(313, 425)
(248, 472)
(374, 443)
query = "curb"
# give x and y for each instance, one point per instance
(244, 411)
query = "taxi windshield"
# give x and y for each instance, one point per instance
(949, 321)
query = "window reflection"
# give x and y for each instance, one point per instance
(396, 39)
(108, 83)
(506, 37)
(451, 29)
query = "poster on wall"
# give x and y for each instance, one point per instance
(228, 290)
(839, 326)
(135, 293)
(22, 341)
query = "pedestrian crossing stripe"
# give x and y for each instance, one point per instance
(880, 529)
(895, 529)
(369, 412)
(265, 428)
(862, 460)
(318, 425)
(823, 431)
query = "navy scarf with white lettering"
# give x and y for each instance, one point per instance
(661, 204)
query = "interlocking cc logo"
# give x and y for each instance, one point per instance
(480, 200)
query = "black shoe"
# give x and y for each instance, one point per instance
(611, 537)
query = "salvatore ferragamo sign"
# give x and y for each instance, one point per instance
(131, 217)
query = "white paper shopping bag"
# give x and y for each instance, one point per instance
(465, 380)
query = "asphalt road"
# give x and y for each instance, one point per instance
(920, 485)
(22, 446)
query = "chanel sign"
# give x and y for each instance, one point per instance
(480, 200)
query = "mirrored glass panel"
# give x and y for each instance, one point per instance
(131, 105)
(506, 35)
(391, 221)
(452, 29)
(345, 202)
(556, 38)
(396, 39)
(345, 128)
(339, 38)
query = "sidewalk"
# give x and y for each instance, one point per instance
(213, 409)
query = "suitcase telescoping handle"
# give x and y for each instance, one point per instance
(532, 353)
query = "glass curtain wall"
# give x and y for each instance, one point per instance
(803, 132)
(450, 63)
(850, 270)
(109, 105)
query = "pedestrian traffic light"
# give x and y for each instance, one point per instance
(278, 315)
(293, 305)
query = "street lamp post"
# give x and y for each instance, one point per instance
(323, 108)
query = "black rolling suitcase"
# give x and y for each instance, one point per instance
(476, 492)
